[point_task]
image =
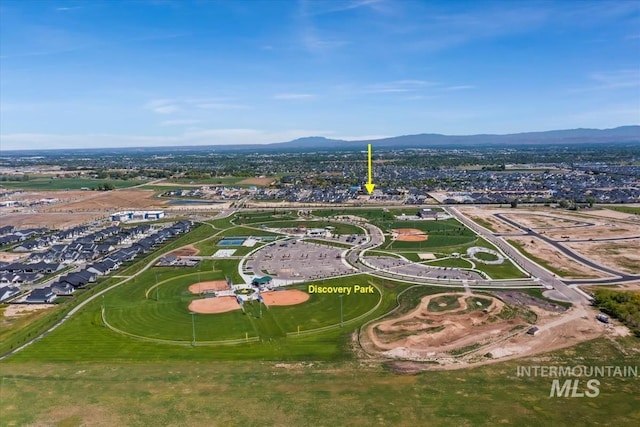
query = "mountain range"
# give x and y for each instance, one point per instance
(619, 135)
(623, 134)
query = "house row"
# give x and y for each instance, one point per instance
(20, 235)
(6, 229)
(36, 267)
(7, 292)
(17, 278)
(69, 283)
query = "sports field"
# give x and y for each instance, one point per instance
(298, 358)
(438, 234)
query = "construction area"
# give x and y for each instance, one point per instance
(454, 330)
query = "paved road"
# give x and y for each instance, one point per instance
(355, 256)
(619, 275)
(545, 276)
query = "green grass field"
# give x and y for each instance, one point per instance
(220, 180)
(310, 394)
(441, 234)
(338, 228)
(626, 209)
(83, 373)
(449, 262)
(160, 311)
(46, 183)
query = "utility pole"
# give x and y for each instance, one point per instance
(341, 313)
(193, 328)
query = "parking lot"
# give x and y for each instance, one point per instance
(298, 260)
(399, 266)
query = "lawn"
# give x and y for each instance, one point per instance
(449, 262)
(164, 314)
(337, 228)
(311, 394)
(626, 209)
(47, 183)
(441, 234)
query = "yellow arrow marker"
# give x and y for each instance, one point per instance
(369, 185)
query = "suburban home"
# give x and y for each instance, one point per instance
(62, 289)
(41, 296)
(10, 278)
(87, 275)
(7, 292)
(167, 260)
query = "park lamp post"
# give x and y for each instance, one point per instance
(341, 314)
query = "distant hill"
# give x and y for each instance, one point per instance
(623, 134)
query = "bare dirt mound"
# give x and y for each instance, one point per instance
(455, 336)
(408, 231)
(257, 181)
(410, 235)
(427, 330)
(288, 297)
(210, 286)
(188, 250)
(109, 201)
(49, 220)
(214, 305)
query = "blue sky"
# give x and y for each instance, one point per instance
(143, 73)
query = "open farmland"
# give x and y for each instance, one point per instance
(109, 201)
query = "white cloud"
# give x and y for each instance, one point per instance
(180, 122)
(221, 106)
(161, 106)
(399, 86)
(617, 79)
(237, 136)
(459, 87)
(293, 96)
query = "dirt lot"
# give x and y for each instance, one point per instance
(288, 297)
(568, 267)
(556, 330)
(188, 250)
(425, 332)
(410, 235)
(599, 231)
(213, 285)
(623, 255)
(542, 219)
(607, 213)
(10, 256)
(214, 305)
(62, 196)
(257, 181)
(49, 220)
(524, 300)
(16, 310)
(109, 201)
(486, 215)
